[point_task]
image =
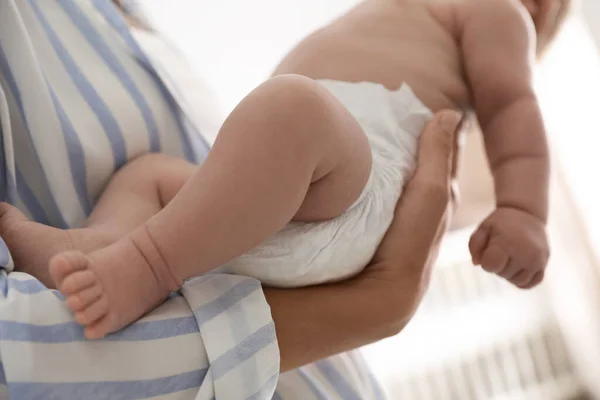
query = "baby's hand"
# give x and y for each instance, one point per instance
(512, 244)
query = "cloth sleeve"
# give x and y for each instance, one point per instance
(215, 340)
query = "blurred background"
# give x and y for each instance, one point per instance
(474, 337)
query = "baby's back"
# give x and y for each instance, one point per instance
(389, 42)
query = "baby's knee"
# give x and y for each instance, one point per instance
(155, 168)
(295, 96)
(155, 162)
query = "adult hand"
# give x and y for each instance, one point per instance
(316, 322)
(401, 268)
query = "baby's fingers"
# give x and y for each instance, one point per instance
(495, 260)
(523, 278)
(511, 270)
(478, 243)
(536, 280)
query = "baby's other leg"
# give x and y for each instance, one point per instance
(134, 194)
(289, 150)
(138, 191)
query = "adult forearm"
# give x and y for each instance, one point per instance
(317, 322)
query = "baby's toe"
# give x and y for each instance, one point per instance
(101, 327)
(93, 312)
(78, 301)
(65, 264)
(77, 282)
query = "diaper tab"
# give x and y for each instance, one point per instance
(410, 111)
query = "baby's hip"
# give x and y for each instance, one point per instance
(312, 253)
(392, 120)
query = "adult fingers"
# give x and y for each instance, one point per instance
(459, 144)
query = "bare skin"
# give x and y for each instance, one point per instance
(461, 54)
(304, 148)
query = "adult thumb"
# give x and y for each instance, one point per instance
(437, 148)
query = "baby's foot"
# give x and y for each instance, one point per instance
(32, 245)
(109, 288)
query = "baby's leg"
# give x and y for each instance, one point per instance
(32, 244)
(134, 194)
(138, 191)
(289, 150)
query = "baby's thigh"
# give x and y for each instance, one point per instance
(350, 154)
(140, 189)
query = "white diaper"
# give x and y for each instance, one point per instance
(311, 253)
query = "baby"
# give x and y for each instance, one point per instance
(302, 181)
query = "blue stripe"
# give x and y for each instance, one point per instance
(376, 388)
(197, 141)
(96, 41)
(267, 388)
(358, 359)
(4, 254)
(336, 379)
(3, 284)
(76, 156)
(220, 305)
(118, 390)
(244, 350)
(25, 193)
(29, 286)
(239, 327)
(31, 202)
(114, 19)
(174, 295)
(12, 188)
(73, 332)
(3, 169)
(318, 392)
(87, 90)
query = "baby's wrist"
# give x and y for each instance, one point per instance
(539, 216)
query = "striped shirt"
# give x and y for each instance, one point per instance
(78, 99)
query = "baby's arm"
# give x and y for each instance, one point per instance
(498, 43)
(499, 48)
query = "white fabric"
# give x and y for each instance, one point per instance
(194, 96)
(312, 253)
(78, 99)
